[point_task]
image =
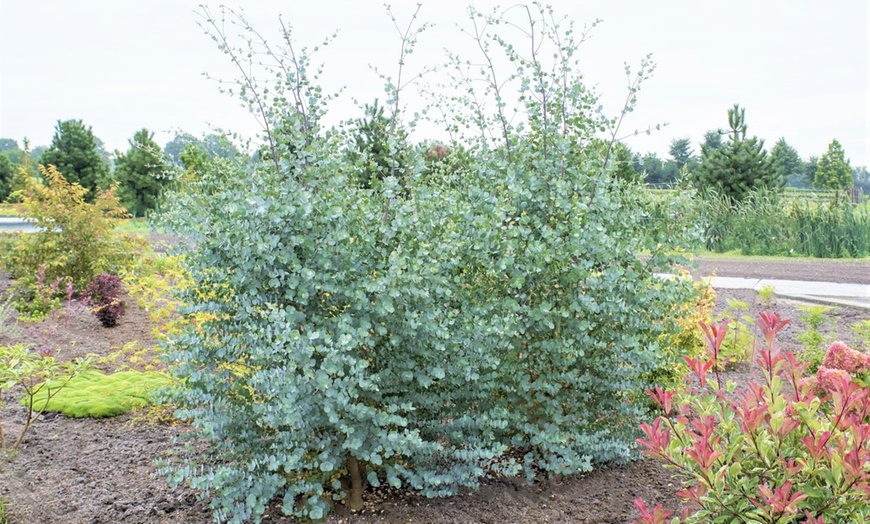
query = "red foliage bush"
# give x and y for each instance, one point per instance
(103, 295)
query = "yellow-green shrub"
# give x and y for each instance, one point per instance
(688, 341)
(74, 239)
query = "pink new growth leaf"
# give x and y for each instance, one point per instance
(699, 368)
(770, 324)
(662, 399)
(751, 411)
(657, 516)
(811, 519)
(715, 334)
(658, 439)
(704, 451)
(782, 500)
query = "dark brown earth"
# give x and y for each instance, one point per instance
(841, 271)
(102, 471)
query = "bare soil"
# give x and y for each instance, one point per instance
(840, 271)
(76, 471)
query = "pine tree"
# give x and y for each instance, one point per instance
(380, 153)
(787, 163)
(834, 171)
(141, 173)
(74, 152)
(740, 165)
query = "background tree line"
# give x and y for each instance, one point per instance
(139, 174)
(736, 163)
(730, 160)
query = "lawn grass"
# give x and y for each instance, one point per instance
(10, 210)
(137, 226)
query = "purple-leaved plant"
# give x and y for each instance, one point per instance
(103, 295)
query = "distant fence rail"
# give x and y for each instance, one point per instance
(855, 194)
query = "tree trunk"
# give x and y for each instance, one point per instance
(356, 485)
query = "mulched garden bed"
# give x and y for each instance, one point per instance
(75, 471)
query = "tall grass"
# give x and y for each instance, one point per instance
(765, 223)
(672, 215)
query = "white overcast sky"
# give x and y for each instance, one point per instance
(799, 67)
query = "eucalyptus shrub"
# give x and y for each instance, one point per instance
(421, 333)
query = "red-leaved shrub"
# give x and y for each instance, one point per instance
(787, 450)
(103, 294)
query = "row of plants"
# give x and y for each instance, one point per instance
(766, 222)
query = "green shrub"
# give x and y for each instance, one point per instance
(740, 344)
(74, 239)
(813, 316)
(411, 333)
(36, 299)
(97, 395)
(688, 341)
(766, 294)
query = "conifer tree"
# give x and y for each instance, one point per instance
(834, 171)
(74, 152)
(740, 165)
(141, 173)
(787, 163)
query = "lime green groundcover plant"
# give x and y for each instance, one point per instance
(95, 394)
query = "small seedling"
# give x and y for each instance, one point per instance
(766, 294)
(36, 373)
(813, 317)
(739, 345)
(863, 330)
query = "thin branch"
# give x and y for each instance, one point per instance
(219, 35)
